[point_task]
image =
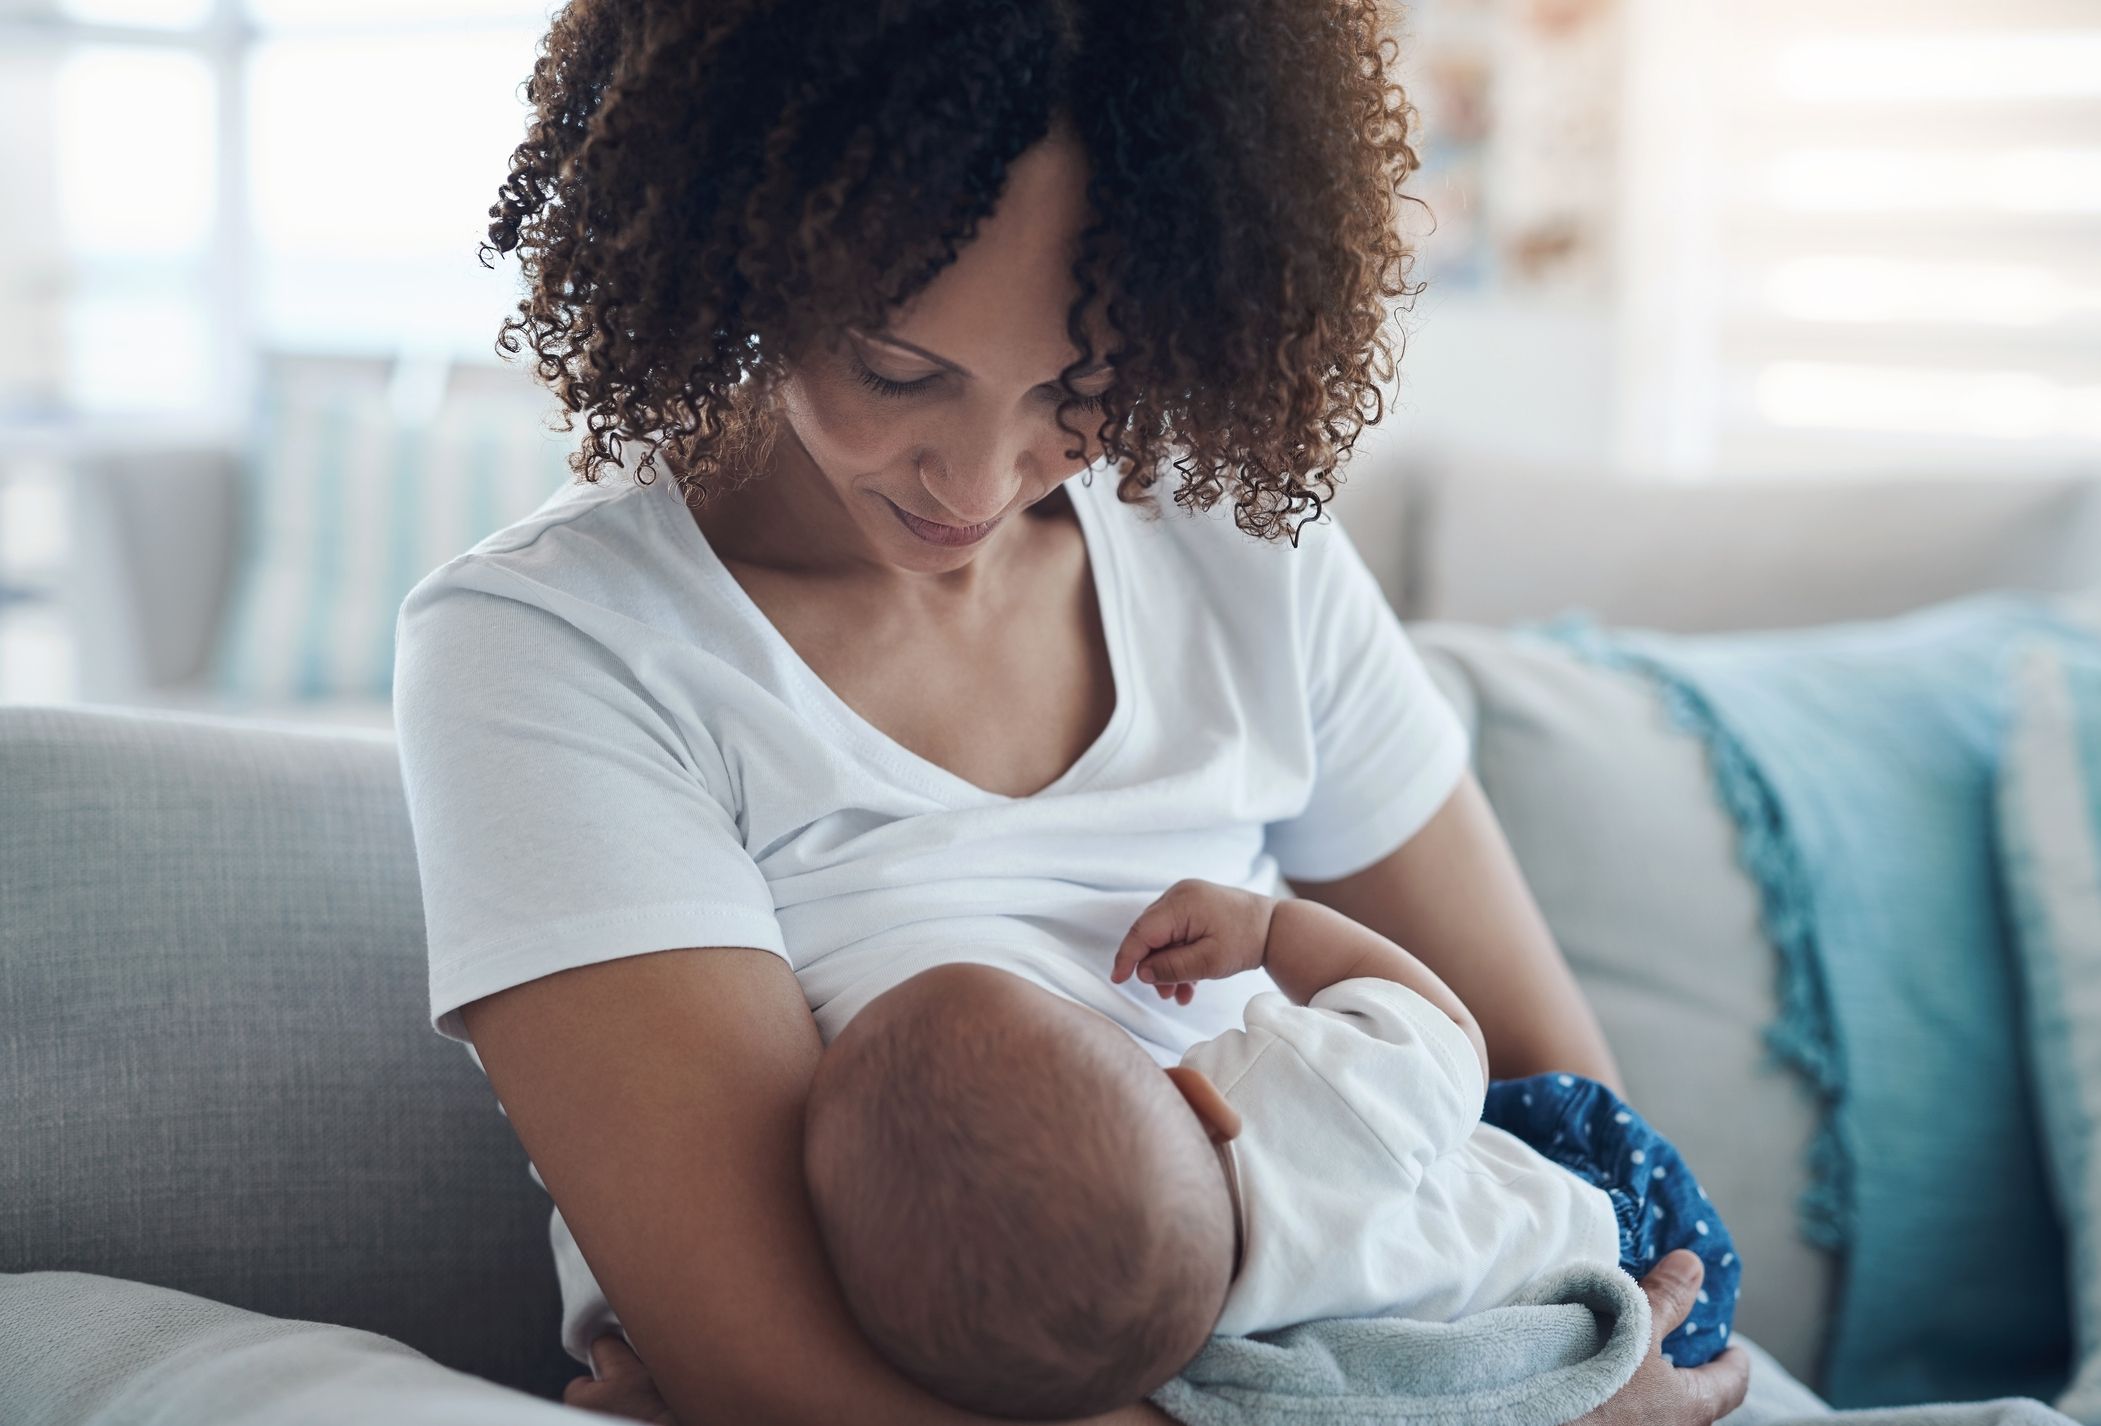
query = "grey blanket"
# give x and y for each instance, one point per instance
(1563, 1347)
(82, 1350)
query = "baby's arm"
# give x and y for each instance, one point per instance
(1200, 930)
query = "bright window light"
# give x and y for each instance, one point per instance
(291, 14)
(376, 148)
(1934, 180)
(1878, 289)
(1857, 68)
(134, 353)
(146, 14)
(2001, 405)
(33, 540)
(134, 151)
(36, 655)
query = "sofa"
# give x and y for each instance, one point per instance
(223, 1089)
(212, 1010)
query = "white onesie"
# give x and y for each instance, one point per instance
(1369, 1185)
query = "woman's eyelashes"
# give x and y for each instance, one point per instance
(884, 386)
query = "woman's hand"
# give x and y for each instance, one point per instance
(623, 1386)
(1659, 1392)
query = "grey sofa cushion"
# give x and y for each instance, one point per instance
(1491, 545)
(220, 1074)
(1613, 816)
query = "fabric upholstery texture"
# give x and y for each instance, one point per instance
(219, 1074)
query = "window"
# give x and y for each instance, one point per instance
(195, 179)
(192, 182)
(1869, 234)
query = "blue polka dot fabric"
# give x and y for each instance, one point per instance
(1594, 1134)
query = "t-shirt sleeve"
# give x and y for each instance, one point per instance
(560, 818)
(1388, 746)
(1406, 1071)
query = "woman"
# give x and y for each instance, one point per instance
(699, 766)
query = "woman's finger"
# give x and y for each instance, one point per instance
(1672, 1287)
(1719, 1386)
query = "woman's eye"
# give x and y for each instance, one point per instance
(883, 385)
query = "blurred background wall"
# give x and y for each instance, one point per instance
(1669, 244)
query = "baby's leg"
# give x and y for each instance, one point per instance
(1589, 1130)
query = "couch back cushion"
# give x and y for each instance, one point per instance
(220, 1075)
(1494, 545)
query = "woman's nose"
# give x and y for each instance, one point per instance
(977, 483)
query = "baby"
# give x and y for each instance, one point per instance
(1029, 1218)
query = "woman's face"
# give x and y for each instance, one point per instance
(932, 433)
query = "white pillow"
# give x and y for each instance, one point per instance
(87, 1350)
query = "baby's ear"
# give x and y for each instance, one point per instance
(1220, 1119)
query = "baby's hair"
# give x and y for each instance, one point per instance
(1024, 1216)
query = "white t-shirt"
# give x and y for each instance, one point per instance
(1369, 1186)
(609, 750)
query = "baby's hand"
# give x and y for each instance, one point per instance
(1197, 930)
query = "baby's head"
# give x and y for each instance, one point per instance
(1025, 1213)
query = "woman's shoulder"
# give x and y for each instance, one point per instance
(1207, 548)
(600, 556)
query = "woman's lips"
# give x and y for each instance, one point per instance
(935, 533)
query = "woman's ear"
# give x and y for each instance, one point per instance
(1220, 1119)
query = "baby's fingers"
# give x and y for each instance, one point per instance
(1193, 961)
(1161, 924)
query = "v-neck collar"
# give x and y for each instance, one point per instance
(1102, 569)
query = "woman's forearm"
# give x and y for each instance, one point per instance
(661, 1098)
(1454, 897)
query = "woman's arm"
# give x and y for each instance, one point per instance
(1453, 895)
(661, 1098)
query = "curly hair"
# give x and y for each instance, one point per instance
(706, 186)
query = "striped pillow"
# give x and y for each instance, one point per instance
(2049, 810)
(344, 506)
